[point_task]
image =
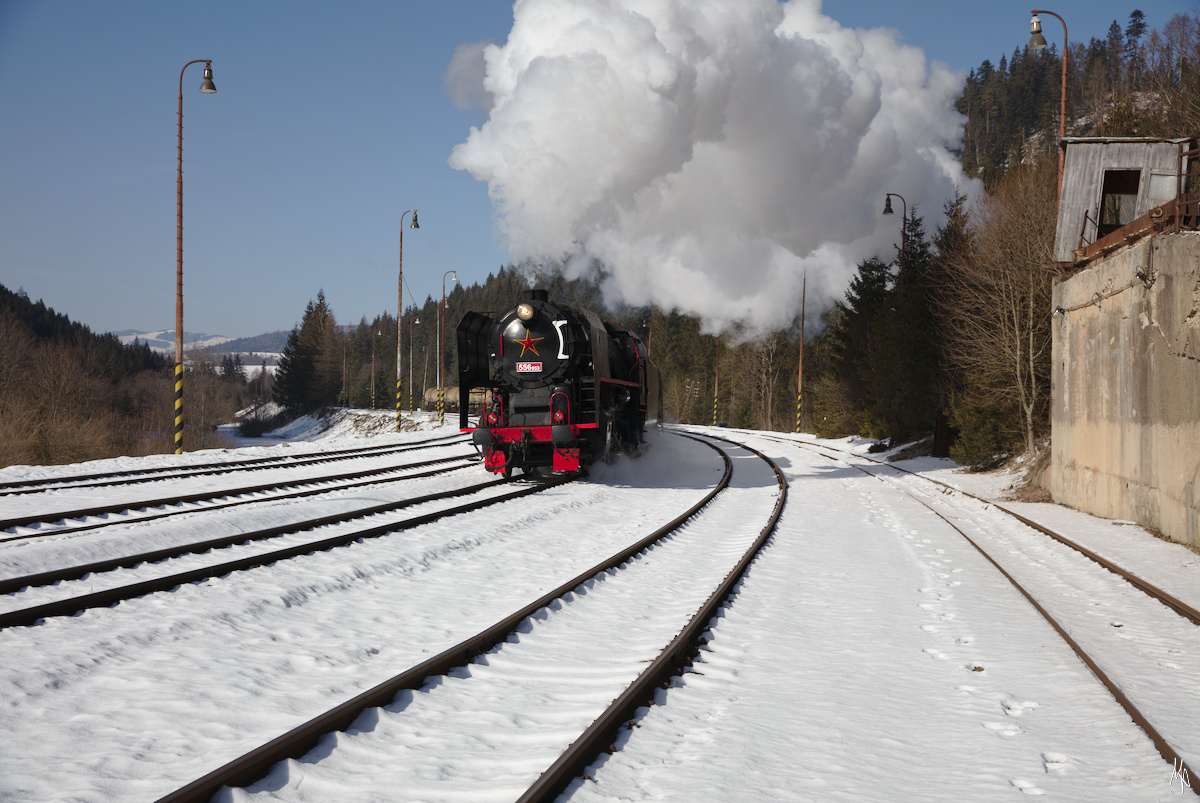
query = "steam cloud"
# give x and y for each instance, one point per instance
(706, 153)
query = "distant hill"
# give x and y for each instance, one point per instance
(163, 340)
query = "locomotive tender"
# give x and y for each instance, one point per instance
(564, 388)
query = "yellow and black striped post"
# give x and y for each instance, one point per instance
(399, 396)
(179, 408)
(441, 405)
(800, 370)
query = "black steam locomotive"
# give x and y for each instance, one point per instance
(564, 388)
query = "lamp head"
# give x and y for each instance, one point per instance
(887, 205)
(207, 86)
(414, 223)
(1036, 40)
(453, 276)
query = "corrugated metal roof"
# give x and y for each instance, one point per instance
(1118, 140)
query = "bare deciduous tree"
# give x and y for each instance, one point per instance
(996, 300)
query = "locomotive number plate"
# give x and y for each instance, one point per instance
(529, 368)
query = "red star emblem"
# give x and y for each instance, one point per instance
(529, 344)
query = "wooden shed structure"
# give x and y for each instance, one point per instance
(1115, 188)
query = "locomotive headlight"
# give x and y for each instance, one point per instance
(524, 311)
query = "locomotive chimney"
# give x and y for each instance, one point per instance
(537, 294)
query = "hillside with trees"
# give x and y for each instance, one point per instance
(68, 395)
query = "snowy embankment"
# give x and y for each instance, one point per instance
(871, 653)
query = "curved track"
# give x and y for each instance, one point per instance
(503, 634)
(1114, 686)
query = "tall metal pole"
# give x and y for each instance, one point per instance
(373, 370)
(410, 364)
(400, 312)
(442, 349)
(207, 87)
(800, 371)
(716, 382)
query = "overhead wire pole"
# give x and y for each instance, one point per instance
(417, 320)
(400, 313)
(716, 381)
(209, 88)
(800, 371)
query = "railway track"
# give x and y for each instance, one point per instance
(557, 618)
(208, 500)
(135, 476)
(1117, 678)
(48, 517)
(24, 617)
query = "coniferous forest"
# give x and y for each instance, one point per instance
(961, 335)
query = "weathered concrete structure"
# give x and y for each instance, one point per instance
(1125, 380)
(1126, 387)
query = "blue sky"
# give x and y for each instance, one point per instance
(330, 121)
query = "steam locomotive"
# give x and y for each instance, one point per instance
(564, 388)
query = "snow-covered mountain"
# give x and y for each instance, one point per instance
(164, 339)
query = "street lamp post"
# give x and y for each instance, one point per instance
(442, 347)
(400, 312)
(411, 409)
(887, 210)
(1038, 42)
(207, 87)
(373, 369)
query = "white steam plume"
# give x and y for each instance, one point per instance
(707, 153)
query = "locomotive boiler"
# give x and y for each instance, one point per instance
(562, 387)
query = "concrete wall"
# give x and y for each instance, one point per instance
(1126, 387)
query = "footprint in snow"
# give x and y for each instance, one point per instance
(929, 628)
(964, 639)
(936, 655)
(1055, 762)
(1003, 728)
(1028, 787)
(1014, 708)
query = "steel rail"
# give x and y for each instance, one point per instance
(255, 765)
(1175, 604)
(1161, 744)
(138, 504)
(204, 469)
(470, 460)
(29, 616)
(10, 584)
(599, 737)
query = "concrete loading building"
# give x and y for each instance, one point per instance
(1125, 380)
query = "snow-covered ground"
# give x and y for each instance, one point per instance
(870, 654)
